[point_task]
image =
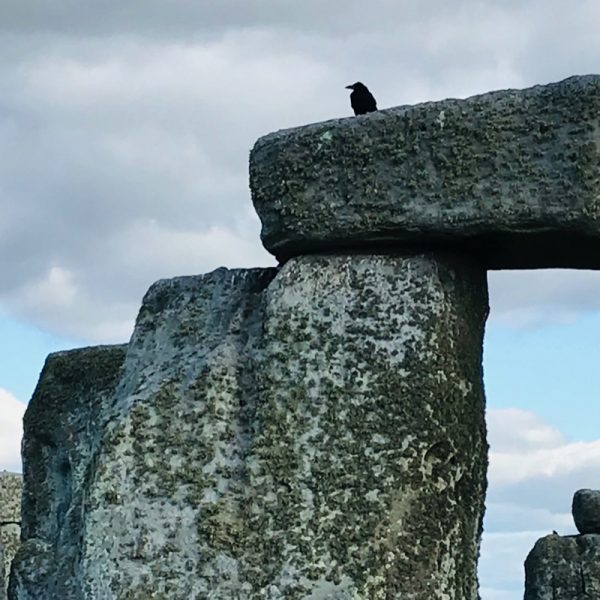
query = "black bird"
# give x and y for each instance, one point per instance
(361, 99)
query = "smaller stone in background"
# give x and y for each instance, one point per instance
(10, 523)
(586, 511)
(563, 568)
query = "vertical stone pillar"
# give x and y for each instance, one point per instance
(61, 426)
(367, 469)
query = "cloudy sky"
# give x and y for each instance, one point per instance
(124, 137)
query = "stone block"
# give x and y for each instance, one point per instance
(512, 177)
(61, 427)
(563, 568)
(586, 511)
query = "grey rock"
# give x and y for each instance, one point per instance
(10, 524)
(3, 575)
(563, 568)
(510, 176)
(10, 541)
(586, 511)
(11, 485)
(318, 434)
(34, 573)
(170, 472)
(61, 425)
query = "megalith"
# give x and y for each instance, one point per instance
(61, 426)
(568, 567)
(563, 568)
(367, 472)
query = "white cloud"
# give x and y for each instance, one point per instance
(515, 467)
(487, 593)
(523, 448)
(513, 430)
(535, 298)
(11, 431)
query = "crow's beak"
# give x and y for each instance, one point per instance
(349, 87)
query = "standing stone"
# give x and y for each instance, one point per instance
(10, 524)
(368, 474)
(61, 425)
(319, 435)
(171, 470)
(563, 568)
(586, 511)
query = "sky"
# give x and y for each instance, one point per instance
(124, 137)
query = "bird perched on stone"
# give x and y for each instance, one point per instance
(361, 99)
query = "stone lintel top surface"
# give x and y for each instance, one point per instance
(512, 175)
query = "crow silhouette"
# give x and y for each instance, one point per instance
(361, 99)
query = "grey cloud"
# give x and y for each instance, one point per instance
(118, 116)
(184, 17)
(507, 517)
(535, 298)
(553, 493)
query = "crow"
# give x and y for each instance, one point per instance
(361, 99)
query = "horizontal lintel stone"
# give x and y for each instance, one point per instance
(511, 176)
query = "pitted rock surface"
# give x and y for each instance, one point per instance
(372, 461)
(61, 426)
(10, 524)
(315, 433)
(563, 568)
(586, 511)
(11, 485)
(171, 472)
(511, 176)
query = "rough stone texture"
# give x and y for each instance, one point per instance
(319, 435)
(10, 523)
(61, 425)
(3, 575)
(512, 176)
(586, 511)
(563, 568)
(10, 497)
(171, 472)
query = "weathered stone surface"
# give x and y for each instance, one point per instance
(513, 176)
(10, 497)
(373, 458)
(586, 511)
(171, 471)
(3, 575)
(319, 435)
(61, 424)
(563, 568)
(10, 523)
